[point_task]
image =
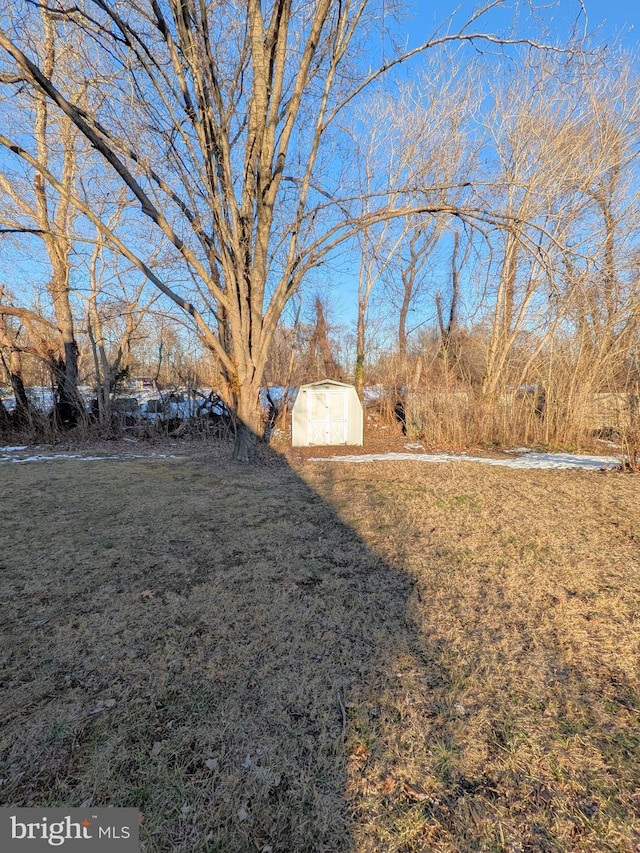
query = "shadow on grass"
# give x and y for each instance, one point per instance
(208, 643)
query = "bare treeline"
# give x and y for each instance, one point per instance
(178, 182)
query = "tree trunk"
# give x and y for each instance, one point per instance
(412, 421)
(68, 407)
(24, 409)
(502, 333)
(104, 371)
(103, 374)
(248, 425)
(23, 406)
(452, 325)
(320, 342)
(245, 444)
(360, 352)
(4, 415)
(402, 323)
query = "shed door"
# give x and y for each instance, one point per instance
(327, 417)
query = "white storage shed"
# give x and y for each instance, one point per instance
(326, 412)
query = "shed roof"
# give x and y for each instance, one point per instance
(320, 382)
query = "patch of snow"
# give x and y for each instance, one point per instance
(14, 449)
(55, 457)
(43, 458)
(528, 460)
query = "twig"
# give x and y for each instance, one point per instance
(343, 711)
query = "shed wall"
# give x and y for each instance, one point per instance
(326, 414)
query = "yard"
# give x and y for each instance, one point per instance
(330, 657)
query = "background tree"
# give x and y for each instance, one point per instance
(33, 206)
(600, 280)
(112, 323)
(230, 146)
(319, 347)
(11, 358)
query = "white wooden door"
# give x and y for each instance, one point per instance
(327, 417)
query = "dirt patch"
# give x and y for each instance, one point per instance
(324, 658)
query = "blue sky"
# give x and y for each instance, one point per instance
(608, 22)
(606, 19)
(616, 16)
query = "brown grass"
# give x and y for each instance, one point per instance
(381, 657)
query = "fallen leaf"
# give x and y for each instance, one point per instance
(157, 746)
(359, 752)
(389, 784)
(415, 792)
(148, 593)
(243, 814)
(211, 763)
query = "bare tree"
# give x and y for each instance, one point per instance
(418, 140)
(24, 333)
(222, 129)
(111, 363)
(11, 359)
(32, 206)
(319, 344)
(601, 284)
(533, 188)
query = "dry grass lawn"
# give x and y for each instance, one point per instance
(380, 657)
